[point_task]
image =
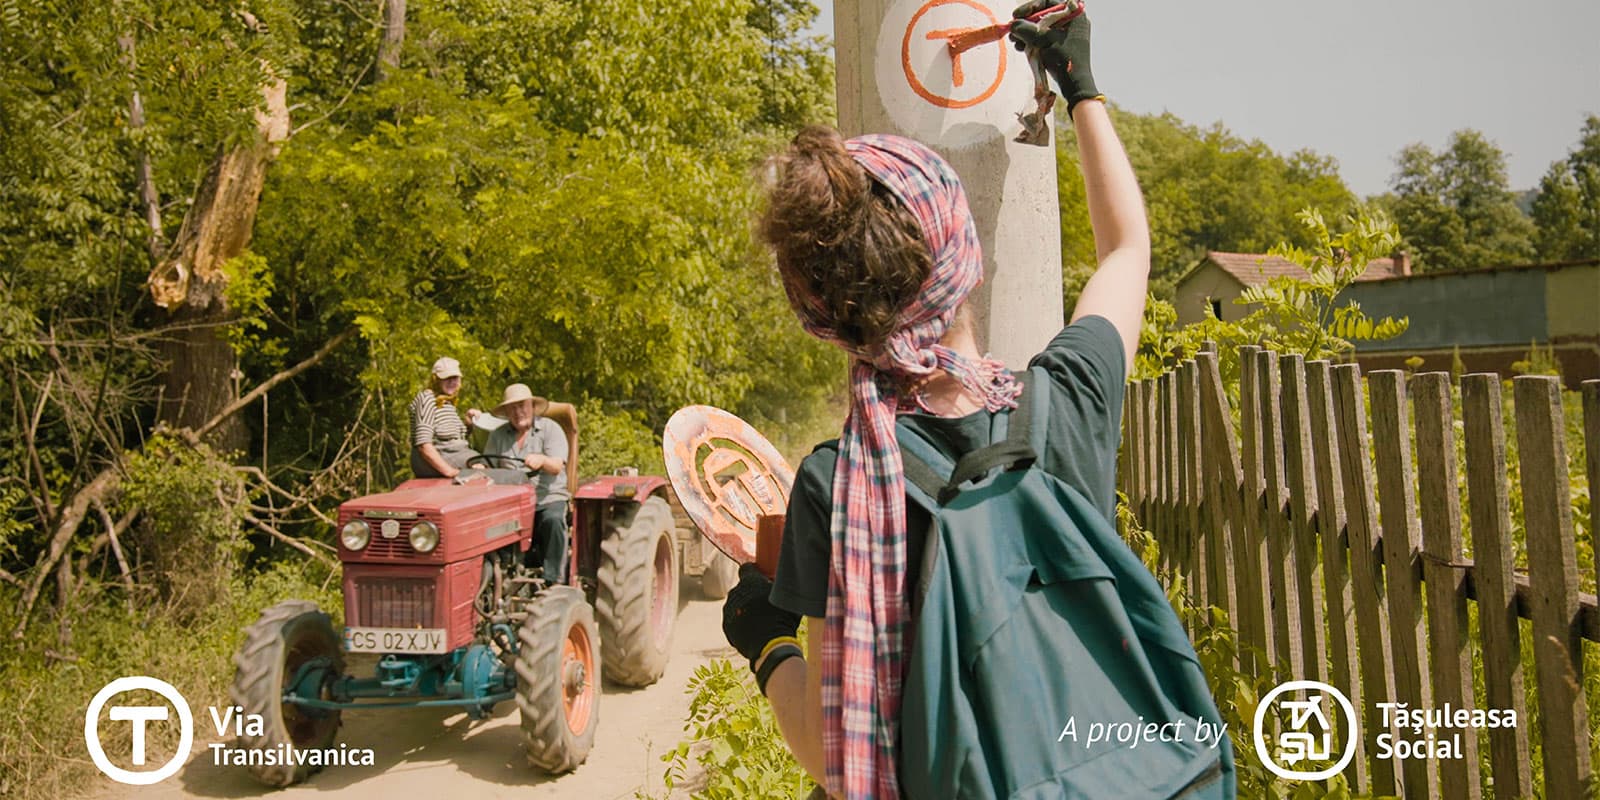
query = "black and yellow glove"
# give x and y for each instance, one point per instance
(759, 630)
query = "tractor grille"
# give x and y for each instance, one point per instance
(394, 603)
(398, 547)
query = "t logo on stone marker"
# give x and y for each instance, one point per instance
(916, 54)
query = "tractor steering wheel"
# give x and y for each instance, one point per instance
(505, 462)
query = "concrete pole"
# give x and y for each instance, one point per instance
(896, 75)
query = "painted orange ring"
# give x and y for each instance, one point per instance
(911, 76)
(577, 648)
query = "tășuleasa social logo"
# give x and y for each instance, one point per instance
(1308, 730)
(145, 718)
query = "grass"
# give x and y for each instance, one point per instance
(42, 752)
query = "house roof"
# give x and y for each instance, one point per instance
(1255, 269)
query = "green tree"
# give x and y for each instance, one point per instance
(1567, 208)
(1205, 189)
(1455, 208)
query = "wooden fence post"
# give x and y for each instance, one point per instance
(1330, 518)
(1280, 554)
(1255, 527)
(1591, 438)
(1366, 580)
(1391, 444)
(1198, 538)
(1444, 575)
(1553, 576)
(1222, 468)
(1303, 503)
(1489, 504)
(1163, 506)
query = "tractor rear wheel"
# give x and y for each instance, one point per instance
(720, 575)
(286, 638)
(558, 680)
(638, 598)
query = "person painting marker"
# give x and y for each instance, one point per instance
(878, 252)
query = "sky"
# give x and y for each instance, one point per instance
(1358, 79)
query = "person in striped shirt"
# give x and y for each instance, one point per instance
(439, 446)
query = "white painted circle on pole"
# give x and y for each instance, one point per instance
(955, 101)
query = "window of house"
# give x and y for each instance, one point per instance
(1216, 308)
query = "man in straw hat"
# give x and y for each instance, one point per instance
(541, 446)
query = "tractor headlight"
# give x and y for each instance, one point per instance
(355, 535)
(424, 536)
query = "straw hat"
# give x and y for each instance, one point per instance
(516, 393)
(446, 367)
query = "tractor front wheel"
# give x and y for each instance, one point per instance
(292, 646)
(638, 598)
(558, 680)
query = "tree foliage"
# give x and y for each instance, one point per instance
(1292, 314)
(1567, 207)
(1204, 189)
(1455, 208)
(554, 192)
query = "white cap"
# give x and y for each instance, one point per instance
(446, 367)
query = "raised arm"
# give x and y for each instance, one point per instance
(1117, 289)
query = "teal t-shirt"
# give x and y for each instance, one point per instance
(1085, 362)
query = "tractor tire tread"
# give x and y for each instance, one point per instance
(545, 735)
(257, 685)
(626, 595)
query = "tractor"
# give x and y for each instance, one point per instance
(435, 588)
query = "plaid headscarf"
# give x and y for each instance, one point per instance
(862, 657)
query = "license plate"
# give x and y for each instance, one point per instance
(394, 640)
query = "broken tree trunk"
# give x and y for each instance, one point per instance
(189, 282)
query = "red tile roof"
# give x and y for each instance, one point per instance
(1255, 269)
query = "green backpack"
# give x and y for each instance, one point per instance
(1038, 630)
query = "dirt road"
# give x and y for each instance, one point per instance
(427, 753)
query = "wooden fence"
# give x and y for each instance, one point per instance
(1336, 547)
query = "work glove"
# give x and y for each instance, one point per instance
(1064, 51)
(750, 621)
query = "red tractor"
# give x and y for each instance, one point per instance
(435, 587)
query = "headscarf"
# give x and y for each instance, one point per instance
(862, 658)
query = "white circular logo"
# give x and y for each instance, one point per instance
(138, 715)
(1305, 732)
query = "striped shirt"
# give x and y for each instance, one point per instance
(432, 422)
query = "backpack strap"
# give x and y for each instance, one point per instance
(1024, 440)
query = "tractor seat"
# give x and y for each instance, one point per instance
(566, 415)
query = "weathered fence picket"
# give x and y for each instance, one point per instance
(1553, 577)
(1297, 458)
(1444, 575)
(1330, 522)
(1339, 555)
(1489, 503)
(1391, 440)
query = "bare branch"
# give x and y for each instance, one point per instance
(147, 184)
(286, 539)
(112, 529)
(266, 386)
(71, 517)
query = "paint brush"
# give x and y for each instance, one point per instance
(966, 40)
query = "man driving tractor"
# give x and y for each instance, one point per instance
(541, 447)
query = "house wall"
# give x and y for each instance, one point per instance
(1468, 310)
(1572, 297)
(1208, 281)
